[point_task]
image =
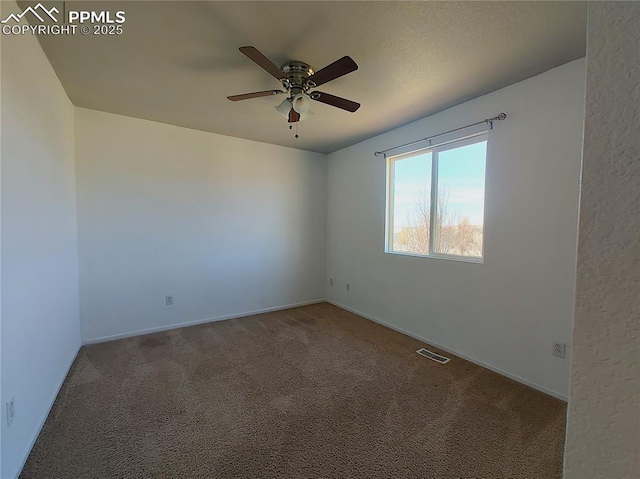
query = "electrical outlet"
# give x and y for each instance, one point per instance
(330, 281)
(560, 350)
(348, 287)
(11, 411)
(169, 300)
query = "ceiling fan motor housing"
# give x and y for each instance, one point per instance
(296, 76)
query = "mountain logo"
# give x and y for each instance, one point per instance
(34, 11)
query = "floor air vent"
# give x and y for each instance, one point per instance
(431, 355)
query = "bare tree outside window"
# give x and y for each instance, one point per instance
(456, 236)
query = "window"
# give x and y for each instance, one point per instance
(435, 201)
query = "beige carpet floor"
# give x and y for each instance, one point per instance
(311, 392)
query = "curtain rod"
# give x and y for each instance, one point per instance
(488, 121)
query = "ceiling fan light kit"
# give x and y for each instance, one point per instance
(301, 103)
(284, 108)
(298, 79)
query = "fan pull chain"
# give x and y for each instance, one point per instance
(291, 128)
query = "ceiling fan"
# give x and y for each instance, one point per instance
(298, 79)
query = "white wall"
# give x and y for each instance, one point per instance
(40, 320)
(603, 427)
(226, 226)
(507, 312)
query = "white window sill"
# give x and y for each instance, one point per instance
(447, 257)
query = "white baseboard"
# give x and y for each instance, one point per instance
(495, 369)
(46, 415)
(113, 337)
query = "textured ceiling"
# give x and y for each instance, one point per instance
(177, 61)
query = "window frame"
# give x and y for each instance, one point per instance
(434, 149)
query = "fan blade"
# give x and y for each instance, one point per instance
(335, 70)
(294, 116)
(257, 94)
(253, 54)
(335, 101)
